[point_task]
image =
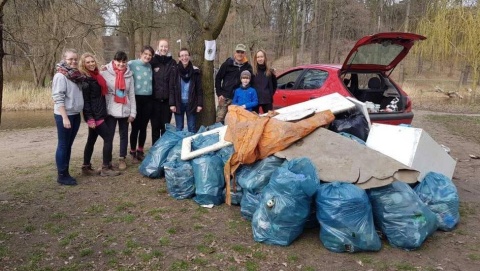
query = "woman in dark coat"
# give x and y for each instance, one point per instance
(264, 82)
(94, 91)
(186, 98)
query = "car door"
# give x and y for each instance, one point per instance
(308, 85)
(285, 84)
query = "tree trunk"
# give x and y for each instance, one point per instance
(314, 46)
(211, 25)
(294, 40)
(464, 75)
(302, 35)
(2, 54)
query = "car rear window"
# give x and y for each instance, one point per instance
(377, 53)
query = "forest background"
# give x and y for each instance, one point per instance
(35, 32)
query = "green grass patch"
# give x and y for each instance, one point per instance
(241, 249)
(179, 265)
(68, 239)
(95, 209)
(164, 241)
(86, 252)
(29, 228)
(474, 257)
(405, 267)
(124, 206)
(251, 266)
(465, 126)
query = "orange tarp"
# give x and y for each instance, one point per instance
(254, 137)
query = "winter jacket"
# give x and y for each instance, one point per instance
(119, 110)
(195, 92)
(245, 96)
(163, 77)
(228, 77)
(95, 104)
(66, 93)
(265, 86)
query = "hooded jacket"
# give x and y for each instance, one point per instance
(163, 77)
(228, 77)
(115, 109)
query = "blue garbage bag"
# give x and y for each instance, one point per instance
(284, 206)
(209, 179)
(400, 214)
(249, 204)
(346, 218)
(179, 175)
(152, 165)
(225, 153)
(255, 177)
(439, 193)
(202, 141)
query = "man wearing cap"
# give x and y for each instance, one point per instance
(228, 79)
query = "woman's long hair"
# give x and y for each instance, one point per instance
(81, 66)
(255, 64)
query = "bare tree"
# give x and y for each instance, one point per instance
(2, 54)
(210, 21)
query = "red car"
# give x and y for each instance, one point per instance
(364, 75)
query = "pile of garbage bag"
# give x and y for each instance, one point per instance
(282, 197)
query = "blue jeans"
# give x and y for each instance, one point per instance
(65, 140)
(179, 119)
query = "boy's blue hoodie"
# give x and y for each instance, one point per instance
(245, 96)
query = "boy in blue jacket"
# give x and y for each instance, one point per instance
(245, 95)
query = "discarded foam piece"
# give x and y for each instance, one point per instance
(187, 152)
(338, 158)
(333, 102)
(412, 147)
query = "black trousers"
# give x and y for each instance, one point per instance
(122, 130)
(139, 125)
(105, 133)
(161, 115)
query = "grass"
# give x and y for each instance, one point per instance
(466, 127)
(25, 96)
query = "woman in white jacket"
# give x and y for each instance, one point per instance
(121, 106)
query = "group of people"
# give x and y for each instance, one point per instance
(150, 88)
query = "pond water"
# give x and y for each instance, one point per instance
(26, 119)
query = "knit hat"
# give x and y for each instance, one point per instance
(245, 74)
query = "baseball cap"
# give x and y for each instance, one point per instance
(241, 47)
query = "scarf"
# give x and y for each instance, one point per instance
(72, 74)
(185, 72)
(119, 85)
(101, 81)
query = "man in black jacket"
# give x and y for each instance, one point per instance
(228, 79)
(163, 66)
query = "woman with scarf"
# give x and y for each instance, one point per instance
(264, 81)
(94, 90)
(121, 105)
(68, 101)
(186, 98)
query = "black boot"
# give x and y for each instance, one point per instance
(65, 179)
(68, 174)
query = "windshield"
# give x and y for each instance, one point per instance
(377, 53)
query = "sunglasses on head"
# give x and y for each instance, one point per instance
(240, 52)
